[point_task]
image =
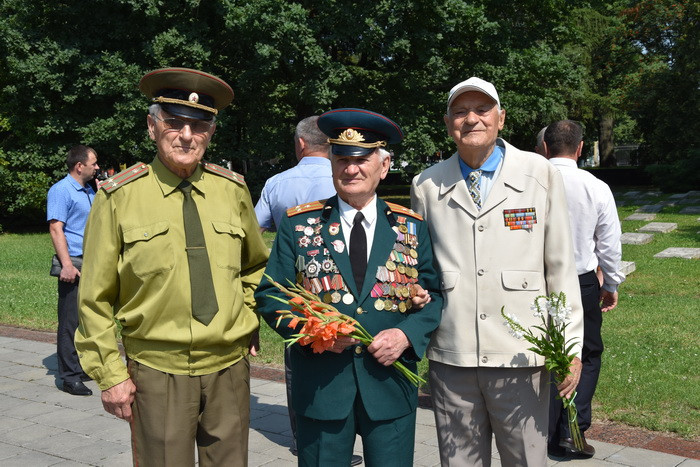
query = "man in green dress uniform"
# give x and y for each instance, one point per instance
(173, 254)
(373, 260)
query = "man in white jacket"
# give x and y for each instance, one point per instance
(483, 380)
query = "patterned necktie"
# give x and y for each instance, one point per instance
(474, 190)
(204, 304)
(358, 250)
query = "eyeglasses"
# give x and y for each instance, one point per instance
(176, 124)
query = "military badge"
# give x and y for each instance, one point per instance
(516, 219)
(334, 228)
(338, 245)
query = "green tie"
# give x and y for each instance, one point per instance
(204, 305)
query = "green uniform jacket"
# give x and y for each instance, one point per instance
(324, 386)
(135, 270)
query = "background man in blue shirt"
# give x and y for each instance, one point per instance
(68, 206)
(309, 180)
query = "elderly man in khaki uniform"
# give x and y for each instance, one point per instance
(173, 254)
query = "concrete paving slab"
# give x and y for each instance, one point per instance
(630, 456)
(659, 227)
(627, 267)
(650, 208)
(685, 253)
(678, 196)
(641, 216)
(690, 210)
(33, 459)
(632, 194)
(689, 463)
(120, 460)
(8, 450)
(635, 238)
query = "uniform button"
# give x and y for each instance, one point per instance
(145, 235)
(482, 316)
(358, 350)
(525, 285)
(480, 272)
(484, 359)
(360, 310)
(480, 228)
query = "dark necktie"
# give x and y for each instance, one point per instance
(204, 305)
(358, 250)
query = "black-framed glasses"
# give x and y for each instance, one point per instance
(177, 124)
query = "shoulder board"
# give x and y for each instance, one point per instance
(125, 176)
(398, 209)
(306, 207)
(224, 172)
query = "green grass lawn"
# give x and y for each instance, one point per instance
(652, 337)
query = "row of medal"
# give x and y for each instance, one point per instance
(396, 280)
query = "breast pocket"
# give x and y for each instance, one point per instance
(522, 280)
(148, 249)
(228, 242)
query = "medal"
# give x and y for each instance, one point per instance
(318, 240)
(379, 304)
(308, 231)
(335, 297)
(338, 246)
(391, 266)
(312, 268)
(402, 307)
(327, 298)
(334, 228)
(348, 298)
(388, 304)
(304, 242)
(327, 265)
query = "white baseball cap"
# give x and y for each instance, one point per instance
(473, 84)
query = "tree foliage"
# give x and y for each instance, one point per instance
(69, 72)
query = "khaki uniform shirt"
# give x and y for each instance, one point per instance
(135, 271)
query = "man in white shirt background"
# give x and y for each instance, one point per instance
(595, 229)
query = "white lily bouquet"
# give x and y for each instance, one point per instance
(551, 343)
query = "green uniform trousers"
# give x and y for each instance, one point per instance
(385, 443)
(172, 411)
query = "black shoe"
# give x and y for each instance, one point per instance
(554, 450)
(356, 460)
(587, 452)
(76, 388)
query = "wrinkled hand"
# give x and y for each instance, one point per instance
(608, 300)
(117, 400)
(254, 345)
(69, 273)
(568, 386)
(422, 297)
(388, 345)
(342, 343)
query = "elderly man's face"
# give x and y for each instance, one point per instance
(179, 150)
(473, 121)
(356, 177)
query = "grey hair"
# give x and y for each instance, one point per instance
(383, 154)
(307, 129)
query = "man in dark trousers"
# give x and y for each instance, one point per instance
(596, 234)
(373, 261)
(67, 207)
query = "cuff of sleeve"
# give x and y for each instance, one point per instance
(110, 374)
(612, 288)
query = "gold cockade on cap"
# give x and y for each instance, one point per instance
(352, 137)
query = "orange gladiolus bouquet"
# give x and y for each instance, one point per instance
(323, 324)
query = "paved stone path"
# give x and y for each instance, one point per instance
(675, 252)
(662, 227)
(636, 238)
(42, 426)
(640, 216)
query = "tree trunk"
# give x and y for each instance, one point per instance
(606, 145)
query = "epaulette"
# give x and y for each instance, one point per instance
(125, 176)
(224, 172)
(306, 207)
(397, 208)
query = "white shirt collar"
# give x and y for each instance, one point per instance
(347, 212)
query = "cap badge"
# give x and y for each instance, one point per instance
(194, 97)
(351, 136)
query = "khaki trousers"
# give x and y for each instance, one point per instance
(171, 412)
(472, 404)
